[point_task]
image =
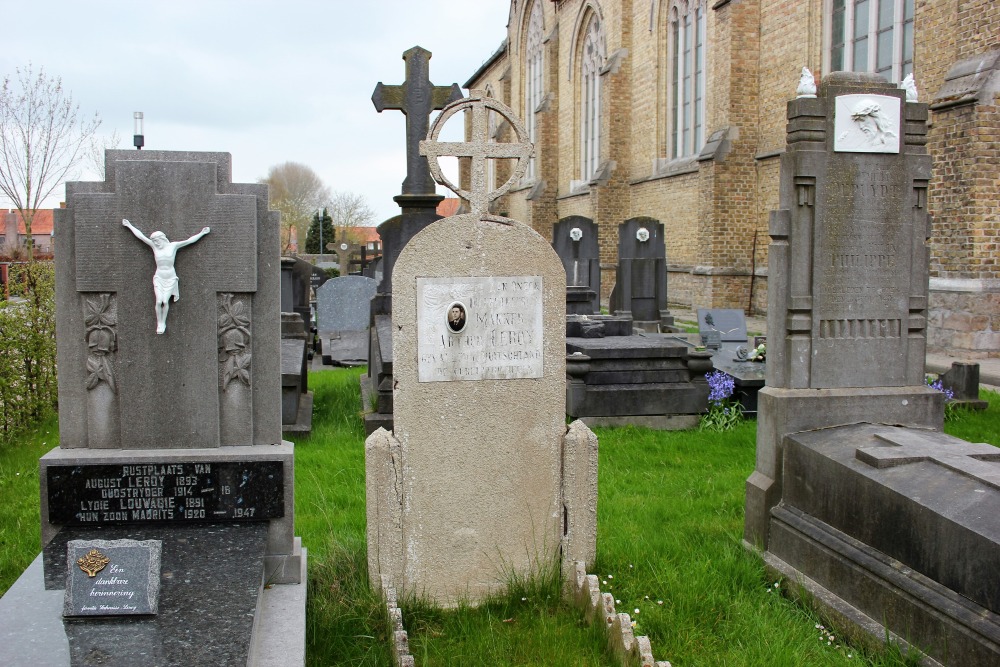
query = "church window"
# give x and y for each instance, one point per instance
(533, 79)
(687, 83)
(591, 61)
(871, 36)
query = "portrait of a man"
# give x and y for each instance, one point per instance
(456, 317)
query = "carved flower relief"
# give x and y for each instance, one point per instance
(576, 233)
(642, 235)
(234, 341)
(102, 341)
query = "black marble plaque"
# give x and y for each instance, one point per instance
(112, 577)
(91, 495)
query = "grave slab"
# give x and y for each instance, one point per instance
(210, 579)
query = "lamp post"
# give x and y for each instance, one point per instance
(320, 216)
(138, 140)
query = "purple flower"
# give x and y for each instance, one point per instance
(939, 386)
(721, 385)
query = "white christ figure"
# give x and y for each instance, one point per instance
(165, 281)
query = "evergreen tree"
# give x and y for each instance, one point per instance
(312, 237)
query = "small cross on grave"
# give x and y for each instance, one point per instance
(480, 149)
(975, 460)
(344, 251)
(416, 98)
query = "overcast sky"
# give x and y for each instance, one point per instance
(267, 81)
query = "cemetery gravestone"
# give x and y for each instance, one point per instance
(417, 97)
(728, 323)
(296, 399)
(343, 307)
(296, 281)
(162, 433)
(857, 495)
(462, 495)
(575, 241)
(641, 278)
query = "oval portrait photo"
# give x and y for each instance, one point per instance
(456, 317)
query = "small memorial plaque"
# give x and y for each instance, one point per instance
(165, 492)
(487, 328)
(112, 577)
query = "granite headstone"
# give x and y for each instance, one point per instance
(641, 278)
(112, 577)
(168, 417)
(343, 311)
(857, 495)
(576, 242)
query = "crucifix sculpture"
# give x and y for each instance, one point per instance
(416, 97)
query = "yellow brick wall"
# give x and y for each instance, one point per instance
(756, 49)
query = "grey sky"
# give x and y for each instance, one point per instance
(267, 81)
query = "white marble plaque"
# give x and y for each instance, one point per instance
(866, 124)
(487, 328)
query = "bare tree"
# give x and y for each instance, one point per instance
(95, 151)
(349, 209)
(297, 192)
(41, 140)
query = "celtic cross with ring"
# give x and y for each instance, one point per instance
(479, 148)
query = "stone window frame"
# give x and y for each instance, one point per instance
(885, 47)
(491, 137)
(685, 137)
(592, 57)
(534, 79)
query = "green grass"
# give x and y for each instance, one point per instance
(670, 519)
(20, 528)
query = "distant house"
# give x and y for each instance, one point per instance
(14, 237)
(367, 236)
(448, 207)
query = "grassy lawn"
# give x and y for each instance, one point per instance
(670, 519)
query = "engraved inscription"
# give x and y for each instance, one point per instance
(174, 492)
(863, 262)
(500, 335)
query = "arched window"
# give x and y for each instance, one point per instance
(533, 79)
(491, 137)
(591, 61)
(871, 36)
(687, 78)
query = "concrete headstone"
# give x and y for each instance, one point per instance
(463, 494)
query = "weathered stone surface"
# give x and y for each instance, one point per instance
(344, 304)
(923, 563)
(579, 491)
(169, 390)
(477, 502)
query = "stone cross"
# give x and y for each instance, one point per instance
(416, 97)
(344, 251)
(975, 460)
(479, 149)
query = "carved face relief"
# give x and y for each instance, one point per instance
(576, 233)
(642, 235)
(867, 124)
